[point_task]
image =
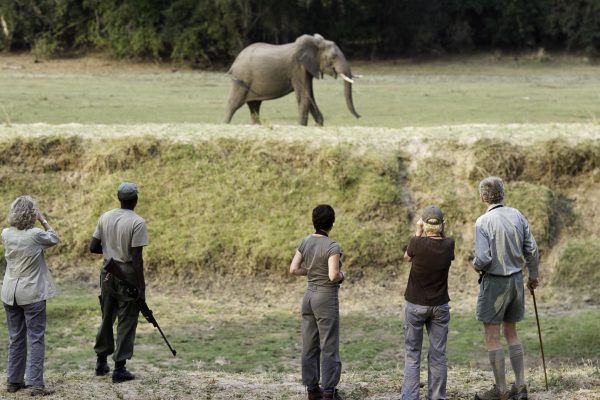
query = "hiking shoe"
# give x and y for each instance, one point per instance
(41, 391)
(518, 393)
(334, 396)
(102, 368)
(13, 387)
(122, 375)
(316, 394)
(492, 394)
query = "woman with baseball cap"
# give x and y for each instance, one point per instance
(431, 254)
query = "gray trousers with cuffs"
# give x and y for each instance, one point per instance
(26, 325)
(321, 337)
(435, 319)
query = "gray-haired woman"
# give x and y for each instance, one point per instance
(27, 284)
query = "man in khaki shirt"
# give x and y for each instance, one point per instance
(122, 235)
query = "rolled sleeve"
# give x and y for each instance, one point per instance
(483, 252)
(530, 252)
(47, 238)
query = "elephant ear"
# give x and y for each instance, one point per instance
(307, 55)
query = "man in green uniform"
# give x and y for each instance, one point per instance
(122, 235)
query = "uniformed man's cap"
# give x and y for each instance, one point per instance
(127, 191)
(432, 215)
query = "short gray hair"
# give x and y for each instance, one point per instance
(492, 190)
(23, 213)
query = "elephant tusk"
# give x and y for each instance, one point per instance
(349, 80)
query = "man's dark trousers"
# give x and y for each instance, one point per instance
(116, 305)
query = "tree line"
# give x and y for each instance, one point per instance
(208, 32)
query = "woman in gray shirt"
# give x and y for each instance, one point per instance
(26, 286)
(318, 258)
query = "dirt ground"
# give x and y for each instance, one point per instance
(183, 385)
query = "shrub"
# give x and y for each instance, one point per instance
(578, 264)
(496, 158)
(537, 204)
(557, 161)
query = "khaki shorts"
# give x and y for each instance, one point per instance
(501, 299)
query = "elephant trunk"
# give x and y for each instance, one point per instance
(349, 102)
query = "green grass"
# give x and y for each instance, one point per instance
(389, 94)
(220, 336)
(228, 204)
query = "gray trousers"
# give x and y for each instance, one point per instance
(321, 337)
(26, 325)
(436, 320)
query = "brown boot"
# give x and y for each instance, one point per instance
(315, 394)
(14, 387)
(518, 392)
(492, 394)
(334, 396)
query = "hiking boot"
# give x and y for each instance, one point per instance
(315, 394)
(122, 375)
(334, 396)
(41, 391)
(102, 368)
(492, 394)
(518, 393)
(13, 387)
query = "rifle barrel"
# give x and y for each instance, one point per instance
(166, 341)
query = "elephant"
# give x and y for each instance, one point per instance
(264, 72)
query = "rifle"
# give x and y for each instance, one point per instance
(113, 268)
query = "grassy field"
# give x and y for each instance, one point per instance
(247, 346)
(477, 90)
(226, 206)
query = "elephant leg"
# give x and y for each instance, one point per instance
(316, 114)
(254, 107)
(303, 107)
(312, 105)
(237, 98)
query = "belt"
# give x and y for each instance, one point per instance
(312, 286)
(482, 273)
(504, 276)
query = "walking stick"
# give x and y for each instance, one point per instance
(537, 319)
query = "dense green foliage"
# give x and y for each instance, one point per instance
(206, 31)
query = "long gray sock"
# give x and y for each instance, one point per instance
(516, 360)
(497, 361)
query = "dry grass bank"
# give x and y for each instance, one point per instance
(225, 200)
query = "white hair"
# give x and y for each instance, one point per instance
(23, 213)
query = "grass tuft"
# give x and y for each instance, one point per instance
(578, 263)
